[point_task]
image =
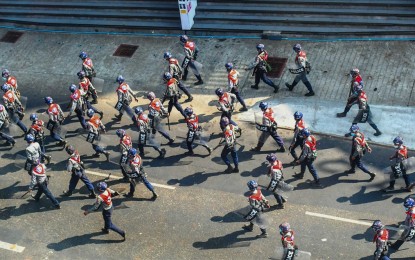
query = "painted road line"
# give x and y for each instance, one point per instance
(118, 178)
(11, 247)
(358, 222)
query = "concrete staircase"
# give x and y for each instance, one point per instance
(271, 18)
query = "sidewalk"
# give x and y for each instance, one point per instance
(46, 64)
(320, 116)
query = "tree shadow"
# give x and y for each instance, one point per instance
(80, 240)
(227, 241)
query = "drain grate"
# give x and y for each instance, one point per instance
(277, 66)
(11, 36)
(125, 50)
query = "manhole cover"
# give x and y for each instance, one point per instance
(11, 36)
(277, 66)
(125, 50)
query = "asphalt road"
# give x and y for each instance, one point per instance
(193, 218)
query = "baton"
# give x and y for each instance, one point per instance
(25, 194)
(168, 120)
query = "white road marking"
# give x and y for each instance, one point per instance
(11, 247)
(358, 222)
(118, 178)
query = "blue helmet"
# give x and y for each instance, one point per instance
(284, 227)
(151, 96)
(30, 138)
(260, 47)
(219, 92)
(83, 55)
(138, 110)
(70, 149)
(271, 157)
(81, 74)
(120, 133)
(167, 55)
(184, 38)
(167, 76)
(72, 88)
(102, 186)
(298, 115)
(33, 117)
(48, 100)
(5, 73)
(188, 111)
(90, 112)
(297, 47)
(252, 185)
(354, 128)
(398, 140)
(229, 66)
(5, 87)
(263, 105)
(132, 152)
(120, 79)
(305, 132)
(377, 225)
(409, 203)
(224, 122)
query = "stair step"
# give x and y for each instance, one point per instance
(389, 3)
(157, 5)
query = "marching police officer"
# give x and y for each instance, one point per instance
(176, 71)
(125, 95)
(258, 202)
(104, 198)
(233, 84)
(39, 179)
(13, 106)
(261, 68)
(156, 111)
(87, 66)
(56, 118)
(4, 123)
(409, 233)
(11, 81)
(95, 126)
(307, 157)
(194, 131)
(77, 169)
(298, 139)
(276, 175)
(77, 104)
(359, 148)
(287, 240)
(230, 145)
(401, 153)
(36, 129)
(381, 239)
(86, 86)
(34, 154)
(365, 114)
(126, 143)
(268, 128)
(352, 99)
(303, 68)
(137, 174)
(226, 101)
(191, 51)
(172, 94)
(144, 133)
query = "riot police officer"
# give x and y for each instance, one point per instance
(194, 131)
(86, 87)
(13, 106)
(191, 51)
(230, 145)
(176, 71)
(258, 202)
(125, 97)
(298, 139)
(5, 123)
(233, 83)
(172, 94)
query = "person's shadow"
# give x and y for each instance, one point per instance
(227, 241)
(81, 240)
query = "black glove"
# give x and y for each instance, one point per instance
(154, 131)
(116, 194)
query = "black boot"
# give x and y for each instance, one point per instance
(189, 98)
(255, 86)
(67, 193)
(48, 158)
(92, 194)
(118, 117)
(229, 169)
(199, 80)
(184, 77)
(107, 154)
(342, 114)
(281, 150)
(236, 169)
(257, 148)
(263, 234)
(162, 153)
(290, 87)
(155, 195)
(249, 227)
(390, 187)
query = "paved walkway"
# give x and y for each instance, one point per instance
(46, 64)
